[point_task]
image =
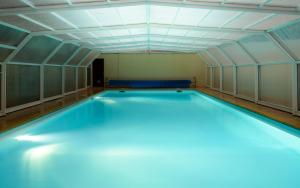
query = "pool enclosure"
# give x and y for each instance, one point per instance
(251, 48)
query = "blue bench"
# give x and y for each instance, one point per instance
(150, 83)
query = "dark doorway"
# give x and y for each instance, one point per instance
(98, 73)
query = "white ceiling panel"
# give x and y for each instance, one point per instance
(102, 33)
(287, 3)
(80, 18)
(120, 32)
(252, 2)
(196, 33)
(138, 31)
(107, 16)
(275, 22)
(12, 4)
(163, 14)
(133, 14)
(177, 32)
(49, 20)
(48, 2)
(245, 19)
(22, 23)
(217, 18)
(190, 16)
(158, 31)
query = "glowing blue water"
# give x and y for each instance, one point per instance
(151, 139)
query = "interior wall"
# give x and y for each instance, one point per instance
(228, 79)
(298, 86)
(246, 81)
(275, 84)
(154, 66)
(208, 76)
(216, 78)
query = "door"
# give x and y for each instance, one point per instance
(98, 73)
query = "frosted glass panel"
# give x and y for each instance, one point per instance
(89, 59)
(206, 58)
(81, 77)
(70, 79)
(216, 80)
(245, 81)
(63, 54)
(291, 38)
(275, 84)
(237, 54)
(219, 56)
(52, 81)
(228, 79)
(4, 53)
(208, 76)
(299, 87)
(36, 50)
(263, 49)
(79, 56)
(22, 84)
(11, 36)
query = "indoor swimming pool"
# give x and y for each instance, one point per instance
(151, 139)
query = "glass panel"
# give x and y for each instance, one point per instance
(290, 36)
(36, 50)
(228, 79)
(89, 58)
(237, 54)
(263, 49)
(70, 79)
(52, 81)
(275, 84)
(245, 81)
(63, 54)
(23, 84)
(81, 77)
(298, 87)
(11, 36)
(219, 56)
(216, 72)
(4, 53)
(89, 76)
(208, 76)
(206, 58)
(79, 56)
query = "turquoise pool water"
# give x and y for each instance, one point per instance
(151, 139)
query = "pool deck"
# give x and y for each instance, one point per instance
(18, 118)
(272, 113)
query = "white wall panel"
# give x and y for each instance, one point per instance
(246, 81)
(11, 36)
(228, 79)
(298, 86)
(263, 49)
(216, 77)
(275, 84)
(237, 54)
(290, 36)
(22, 84)
(219, 56)
(208, 76)
(36, 50)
